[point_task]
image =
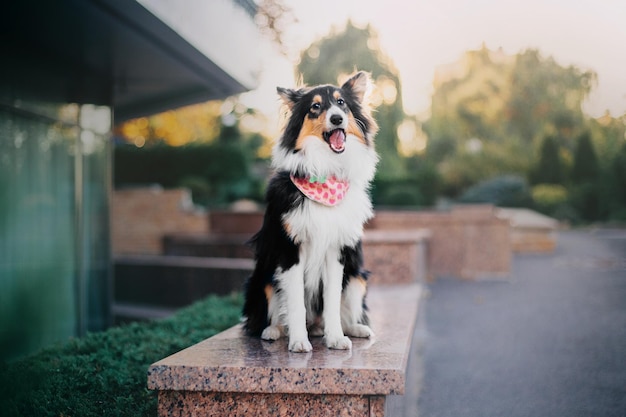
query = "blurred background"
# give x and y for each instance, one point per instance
(105, 105)
(499, 102)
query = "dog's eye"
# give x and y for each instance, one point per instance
(316, 106)
(340, 102)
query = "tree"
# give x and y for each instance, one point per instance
(585, 168)
(544, 95)
(505, 104)
(549, 169)
(469, 99)
(340, 54)
(608, 135)
(617, 186)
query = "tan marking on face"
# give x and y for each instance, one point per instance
(311, 127)
(337, 95)
(269, 292)
(353, 129)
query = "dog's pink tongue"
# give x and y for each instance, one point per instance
(337, 140)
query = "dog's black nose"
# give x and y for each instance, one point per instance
(336, 119)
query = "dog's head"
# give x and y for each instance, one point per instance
(328, 127)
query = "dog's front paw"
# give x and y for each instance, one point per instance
(359, 330)
(341, 343)
(300, 346)
(271, 333)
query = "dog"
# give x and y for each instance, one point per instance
(308, 277)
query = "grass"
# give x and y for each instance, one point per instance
(104, 374)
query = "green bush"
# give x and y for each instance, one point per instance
(401, 195)
(503, 191)
(548, 198)
(217, 173)
(104, 374)
(585, 198)
(419, 188)
(549, 169)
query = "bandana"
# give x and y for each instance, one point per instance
(326, 191)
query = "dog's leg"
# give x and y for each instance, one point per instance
(353, 315)
(333, 276)
(275, 330)
(292, 282)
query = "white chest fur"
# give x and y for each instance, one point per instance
(320, 229)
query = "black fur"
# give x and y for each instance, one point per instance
(272, 248)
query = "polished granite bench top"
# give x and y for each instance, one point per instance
(233, 362)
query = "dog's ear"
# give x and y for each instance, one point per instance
(358, 85)
(290, 97)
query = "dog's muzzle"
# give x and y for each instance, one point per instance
(336, 139)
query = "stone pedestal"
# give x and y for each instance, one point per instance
(234, 375)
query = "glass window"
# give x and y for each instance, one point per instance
(54, 256)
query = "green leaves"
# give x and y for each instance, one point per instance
(104, 374)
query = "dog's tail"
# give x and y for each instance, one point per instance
(255, 308)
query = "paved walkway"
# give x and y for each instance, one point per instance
(551, 341)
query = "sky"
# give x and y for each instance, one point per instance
(421, 35)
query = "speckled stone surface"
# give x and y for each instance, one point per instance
(194, 403)
(236, 364)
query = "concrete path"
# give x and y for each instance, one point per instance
(551, 341)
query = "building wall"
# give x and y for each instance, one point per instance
(66, 65)
(54, 260)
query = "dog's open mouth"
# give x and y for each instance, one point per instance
(336, 140)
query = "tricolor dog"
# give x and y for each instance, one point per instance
(308, 278)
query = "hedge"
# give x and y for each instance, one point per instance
(217, 173)
(104, 374)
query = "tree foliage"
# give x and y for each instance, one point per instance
(494, 114)
(586, 189)
(195, 123)
(332, 58)
(549, 168)
(544, 95)
(217, 173)
(616, 181)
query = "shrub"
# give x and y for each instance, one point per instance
(401, 195)
(420, 187)
(549, 167)
(586, 166)
(104, 374)
(548, 198)
(218, 173)
(504, 191)
(585, 198)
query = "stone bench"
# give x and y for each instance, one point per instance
(231, 374)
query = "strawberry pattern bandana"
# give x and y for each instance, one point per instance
(327, 191)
